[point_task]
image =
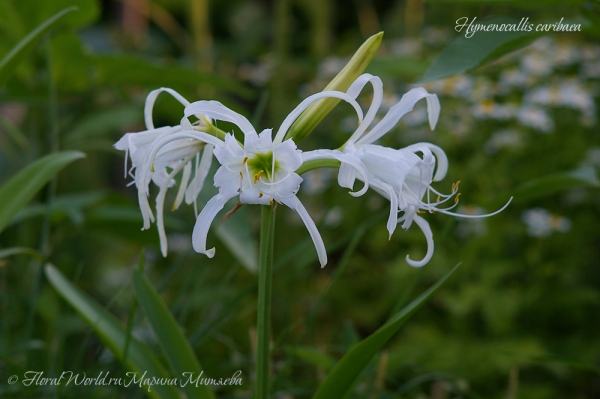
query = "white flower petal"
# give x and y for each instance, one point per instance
(288, 155)
(203, 222)
(388, 192)
(422, 223)
(185, 178)
(347, 158)
(152, 98)
(355, 89)
(295, 204)
(201, 172)
(216, 110)
(404, 106)
(291, 118)
(442, 159)
(160, 201)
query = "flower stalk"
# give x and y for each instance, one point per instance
(263, 323)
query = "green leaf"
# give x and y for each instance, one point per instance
(401, 68)
(175, 345)
(574, 363)
(313, 356)
(345, 372)
(465, 54)
(12, 59)
(5, 253)
(103, 123)
(123, 70)
(551, 184)
(140, 358)
(16, 193)
(239, 239)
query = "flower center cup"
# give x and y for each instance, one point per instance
(262, 164)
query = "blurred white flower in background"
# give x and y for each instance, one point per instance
(507, 138)
(541, 223)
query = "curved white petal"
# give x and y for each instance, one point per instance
(160, 201)
(203, 222)
(440, 155)
(146, 169)
(185, 178)
(404, 106)
(433, 110)
(288, 155)
(291, 118)
(355, 89)
(422, 223)
(201, 172)
(349, 159)
(216, 110)
(388, 192)
(151, 98)
(295, 204)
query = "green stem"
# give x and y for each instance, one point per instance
(263, 323)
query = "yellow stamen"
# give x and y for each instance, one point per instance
(438, 199)
(456, 198)
(421, 212)
(258, 175)
(260, 194)
(241, 175)
(271, 201)
(245, 160)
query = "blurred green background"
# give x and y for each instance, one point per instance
(519, 319)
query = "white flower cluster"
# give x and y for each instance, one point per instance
(541, 223)
(263, 169)
(532, 84)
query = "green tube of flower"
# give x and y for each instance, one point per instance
(314, 114)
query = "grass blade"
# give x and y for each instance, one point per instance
(175, 345)
(139, 357)
(342, 377)
(11, 60)
(16, 193)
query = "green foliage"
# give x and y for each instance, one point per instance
(175, 345)
(14, 57)
(547, 185)
(467, 53)
(138, 358)
(520, 317)
(346, 371)
(15, 193)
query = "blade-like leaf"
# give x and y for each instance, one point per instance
(139, 357)
(548, 185)
(175, 345)
(467, 53)
(5, 253)
(12, 59)
(345, 372)
(16, 193)
(237, 235)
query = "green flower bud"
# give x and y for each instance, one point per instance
(314, 114)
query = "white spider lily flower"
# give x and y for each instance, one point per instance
(167, 163)
(401, 176)
(261, 171)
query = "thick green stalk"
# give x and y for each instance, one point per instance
(263, 324)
